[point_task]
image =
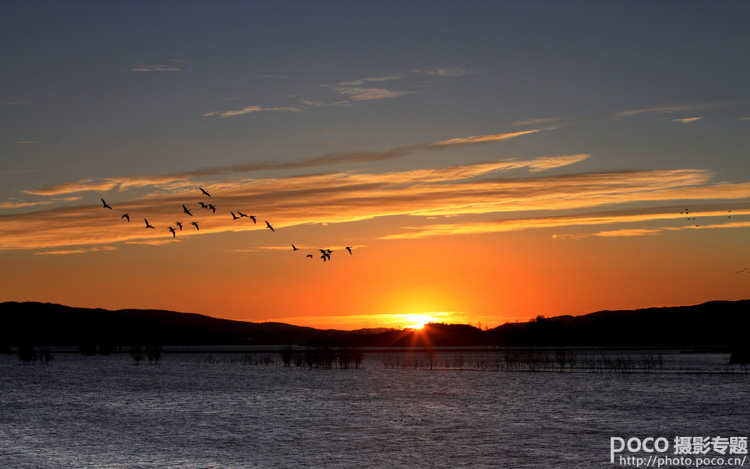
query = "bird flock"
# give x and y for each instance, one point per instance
(689, 218)
(325, 253)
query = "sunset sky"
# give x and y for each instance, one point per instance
(485, 161)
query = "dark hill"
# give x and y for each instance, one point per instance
(717, 323)
(51, 324)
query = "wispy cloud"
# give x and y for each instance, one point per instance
(671, 108)
(58, 252)
(156, 68)
(445, 71)
(686, 120)
(423, 195)
(368, 94)
(537, 121)
(601, 218)
(332, 158)
(249, 110)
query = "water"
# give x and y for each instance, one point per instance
(190, 411)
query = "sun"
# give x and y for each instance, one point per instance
(418, 321)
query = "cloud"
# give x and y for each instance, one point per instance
(248, 110)
(671, 108)
(156, 68)
(332, 158)
(362, 81)
(445, 71)
(368, 94)
(58, 252)
(601, 218)
(464, 190)
(541, 120)
(687, 120)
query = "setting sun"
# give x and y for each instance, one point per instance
(418, 321)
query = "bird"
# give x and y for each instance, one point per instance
(126, 216)
(326, 254)
(148, 225)
(241, 214)
(234, 217)
(349, 249)
(106, 205)
(185, 209)
(179, 224)
(294, 248)
(195, 224)
(204, 191)
(203, 205)
(211, 206)
(174, 235)
(252, 217)
(309, 255)
(269, 226)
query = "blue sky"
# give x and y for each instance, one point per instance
(641, 106)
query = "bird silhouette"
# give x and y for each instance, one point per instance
(148, 225)
(106, 205)
(294, 248)
(126, 216)
(252, 217)
(203, 205)
(174, 235)
(179, 224)
(195, 224)
(326, 254)
(269, 226)
(234, 217)
(349, 249)
(241, 214)
(204, 191)
(310, 256)
(185, 209)
(211, 206)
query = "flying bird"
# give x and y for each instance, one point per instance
(211, 206)
(269, 226)
(204, 191)
(106, 205)
(179, 224)
(234, 217)
(185, 209)
(252, 217)
(326, 254)
(195, 224)
(174, 235)
(148, 225)
(310, 256)
(203, 205)
(126, 216)
(241, 214)
(349, 249)
(294, 248)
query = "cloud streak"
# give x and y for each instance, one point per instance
(332, 158)
(417, 197)
(249, 110)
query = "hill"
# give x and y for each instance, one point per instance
(716, 323)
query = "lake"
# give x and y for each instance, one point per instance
(200, 410)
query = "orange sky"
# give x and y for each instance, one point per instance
(485, 164)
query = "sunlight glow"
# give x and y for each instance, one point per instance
(418, 321)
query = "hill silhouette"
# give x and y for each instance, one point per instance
(716, 323)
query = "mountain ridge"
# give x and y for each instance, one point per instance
(714, 323)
